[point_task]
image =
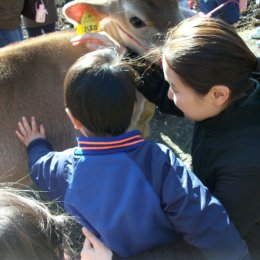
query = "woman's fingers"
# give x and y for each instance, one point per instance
(95, 41)
(92, 239)
(93, 248)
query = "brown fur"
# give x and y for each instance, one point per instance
(31, 80)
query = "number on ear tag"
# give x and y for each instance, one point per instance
(89, 23)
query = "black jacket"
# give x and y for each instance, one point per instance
(225, 154)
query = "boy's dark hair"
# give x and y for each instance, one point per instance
(100, 92)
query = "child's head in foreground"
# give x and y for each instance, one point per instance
(28, 230)
(100, 93)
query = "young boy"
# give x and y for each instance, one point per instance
(132, 193)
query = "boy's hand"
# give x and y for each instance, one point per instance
(27, 133)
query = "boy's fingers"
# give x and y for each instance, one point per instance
(34, 125)
(42, 130)
(21, 128)
(26, 124)
(19, 136)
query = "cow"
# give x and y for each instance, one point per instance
(32, 72)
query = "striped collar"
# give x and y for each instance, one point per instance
(104, 145)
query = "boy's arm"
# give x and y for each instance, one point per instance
(37, 149)
(198, 215)
(49, 170)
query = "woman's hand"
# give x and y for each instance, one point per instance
(98, 40)
(93, 248)
(27, 133)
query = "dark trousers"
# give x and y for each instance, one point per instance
(33, 32)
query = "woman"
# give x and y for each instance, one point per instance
(213, 81)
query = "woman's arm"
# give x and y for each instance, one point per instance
(155, 88)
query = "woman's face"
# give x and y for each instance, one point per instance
(194, 106)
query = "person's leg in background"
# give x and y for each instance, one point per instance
(229, 13)
(10, 36)
(33, 32)
(37, 31)
(207, 5)
(49, 28)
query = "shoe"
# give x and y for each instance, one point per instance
(256, 34)
(257, 44)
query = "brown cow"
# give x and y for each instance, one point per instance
(32, 73)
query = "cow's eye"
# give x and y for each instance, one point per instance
(136, 22)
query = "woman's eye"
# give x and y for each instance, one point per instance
(136, 22)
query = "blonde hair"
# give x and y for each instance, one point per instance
(28, 229)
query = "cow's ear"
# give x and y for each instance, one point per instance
(73, 11)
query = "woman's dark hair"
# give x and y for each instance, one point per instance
(100, 92)
(28, 229)
(205, 52)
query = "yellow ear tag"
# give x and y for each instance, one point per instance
(89, 23)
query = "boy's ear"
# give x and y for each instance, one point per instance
(220, 94)
(77, 125)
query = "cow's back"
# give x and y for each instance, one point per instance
(31, 83)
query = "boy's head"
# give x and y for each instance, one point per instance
(100, 93)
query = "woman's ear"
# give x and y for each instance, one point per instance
(220, 94)
(77, 125)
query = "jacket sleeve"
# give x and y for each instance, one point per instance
(198, 215)
(50, 170)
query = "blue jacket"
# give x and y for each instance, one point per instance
(134, 195)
